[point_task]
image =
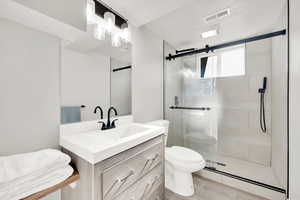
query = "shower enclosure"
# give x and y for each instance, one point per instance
(230, 105)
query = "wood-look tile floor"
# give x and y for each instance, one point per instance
(209, 190)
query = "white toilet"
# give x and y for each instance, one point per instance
(180, 163)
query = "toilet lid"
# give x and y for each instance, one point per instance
(183, 154)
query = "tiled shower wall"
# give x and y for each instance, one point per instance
(238, 124)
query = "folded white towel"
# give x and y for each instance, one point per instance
(30, 165)
(30, 187)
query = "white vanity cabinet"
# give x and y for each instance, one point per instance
(134, 174)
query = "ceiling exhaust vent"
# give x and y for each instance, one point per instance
(217, 16)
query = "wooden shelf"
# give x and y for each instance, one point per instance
(75, 177)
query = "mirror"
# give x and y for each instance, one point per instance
(120, 86)
(92, 79)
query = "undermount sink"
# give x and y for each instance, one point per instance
(97, 145)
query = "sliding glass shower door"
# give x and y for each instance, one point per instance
(219, 104)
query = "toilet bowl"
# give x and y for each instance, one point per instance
(180, 163)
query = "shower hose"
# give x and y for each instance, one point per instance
(262, 113)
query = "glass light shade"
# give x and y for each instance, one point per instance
(110, 20)
(116, 40)
(99, 32)
(90, 12)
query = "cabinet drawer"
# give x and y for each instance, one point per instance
(119, 177)
(146, 187)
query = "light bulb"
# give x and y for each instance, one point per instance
(110, 20)
(90, 12)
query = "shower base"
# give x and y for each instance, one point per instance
(248, 170)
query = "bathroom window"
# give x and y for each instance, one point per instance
(230, 62)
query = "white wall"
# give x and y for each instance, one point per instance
(120, 89)
(294, 99)
(29, 85)
(147, 76)
(85, 81)
(68, 11)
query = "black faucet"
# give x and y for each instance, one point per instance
(101, 111)
(109, 124)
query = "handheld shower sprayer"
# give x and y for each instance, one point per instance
(262, 92)
(263, 89)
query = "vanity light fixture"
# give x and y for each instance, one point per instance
(107, 23)
(110, 21)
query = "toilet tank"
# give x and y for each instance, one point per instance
(164, 124)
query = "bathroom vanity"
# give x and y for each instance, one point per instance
(126, 163)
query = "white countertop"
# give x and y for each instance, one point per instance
(86, 140)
